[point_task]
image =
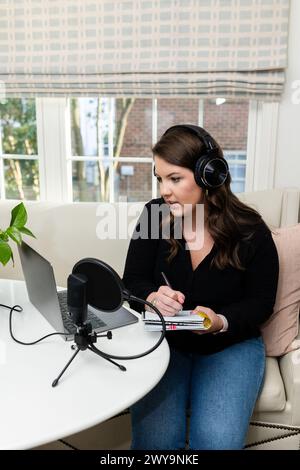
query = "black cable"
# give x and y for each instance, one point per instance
(132, 297)
(18, 308)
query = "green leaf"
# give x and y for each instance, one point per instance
(27, 232)
(18, 216)
(15, 234)
(5, 252)
(4, 236)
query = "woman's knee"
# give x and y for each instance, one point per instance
(157, 426)
(217, 436)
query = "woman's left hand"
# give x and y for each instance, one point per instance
(216, 321)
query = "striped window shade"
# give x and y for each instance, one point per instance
(147, 48)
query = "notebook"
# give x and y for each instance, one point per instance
(184, 320)
(52, 304)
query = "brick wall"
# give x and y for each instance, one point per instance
(227, 123)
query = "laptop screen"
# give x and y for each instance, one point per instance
(41, 285)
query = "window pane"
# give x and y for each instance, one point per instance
(18, 126)
(176, 111)
(89, 126)
(21, 179)
(133, 127)
(238, 186)
(90, 181)
(90, 118)
(228, 124)
(133, 182)
(237, 171)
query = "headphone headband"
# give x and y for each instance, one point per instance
(201, 133)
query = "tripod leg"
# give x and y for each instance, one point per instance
(55, 382)
(96, 351)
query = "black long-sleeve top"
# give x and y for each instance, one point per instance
(245, 297)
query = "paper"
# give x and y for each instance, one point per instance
(184, 320)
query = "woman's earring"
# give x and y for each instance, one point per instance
(206, 192)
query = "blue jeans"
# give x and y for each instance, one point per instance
(220, 390)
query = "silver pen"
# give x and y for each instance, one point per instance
(166, 280)
(168, 283)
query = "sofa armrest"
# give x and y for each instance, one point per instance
(290, 371)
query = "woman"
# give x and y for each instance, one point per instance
(231, 276)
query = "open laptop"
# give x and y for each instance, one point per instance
(52, 304)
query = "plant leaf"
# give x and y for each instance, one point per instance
(27, 232)
(18, 216)
(5, 252)
(15, 234)
(4, 236)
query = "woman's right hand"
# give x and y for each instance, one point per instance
(168, 301)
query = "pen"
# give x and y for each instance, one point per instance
(167, 282)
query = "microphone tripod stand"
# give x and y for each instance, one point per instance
(85, 339)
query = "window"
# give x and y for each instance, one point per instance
(99, 149)
(112, 139)
(19, 166)
(111, 142)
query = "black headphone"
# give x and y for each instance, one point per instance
(211, 171)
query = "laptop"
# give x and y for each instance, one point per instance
(52, 304)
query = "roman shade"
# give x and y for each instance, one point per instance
(163, 48)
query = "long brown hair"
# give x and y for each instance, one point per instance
(229, 221)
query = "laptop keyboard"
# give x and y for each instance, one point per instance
(68, 324)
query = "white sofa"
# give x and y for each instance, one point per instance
(68, 232)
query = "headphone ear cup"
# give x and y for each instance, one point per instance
(211, 172)
(198, 172)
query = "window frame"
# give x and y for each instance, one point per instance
(261, 145)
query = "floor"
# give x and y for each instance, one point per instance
(106, 436)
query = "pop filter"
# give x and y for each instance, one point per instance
(105, 289)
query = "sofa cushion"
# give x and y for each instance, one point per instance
(272, 396)
(269, 207)
(280, 331)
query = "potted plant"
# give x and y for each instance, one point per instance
(14, 231)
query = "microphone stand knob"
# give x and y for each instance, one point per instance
(107, 335)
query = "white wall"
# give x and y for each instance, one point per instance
(287, 170)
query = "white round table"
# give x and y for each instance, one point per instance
(91, 390)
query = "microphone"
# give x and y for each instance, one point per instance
(77, 298)
(95, 283)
